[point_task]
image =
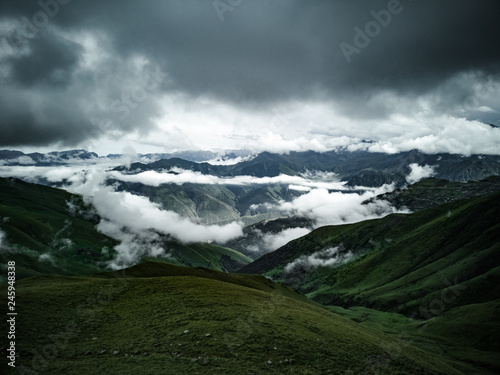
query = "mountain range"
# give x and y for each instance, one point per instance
(225, 202)
(12, 157)
(414, 292)
(15, 158)
(357, 168)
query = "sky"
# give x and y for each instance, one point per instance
(276, 75)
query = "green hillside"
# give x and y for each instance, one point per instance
(203, 255)
(50, 231)
(187, 324)
(439, 265)
(156, 269)
(42, 234)
(400, 261)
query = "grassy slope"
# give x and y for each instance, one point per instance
(456, 243)
(405, 264)
(155, 269)
(36, 222)
(402, 261)
(455, 336)
(203, 255)
(169, 317)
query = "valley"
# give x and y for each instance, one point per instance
(230, 187)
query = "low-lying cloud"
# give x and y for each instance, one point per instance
(142, 227)
(132, 244)
(271, 241)
(181, 176)
(331, 208)
(134, 221)
(139, 213)
(324, 258)
(419, 172)
(2, 239)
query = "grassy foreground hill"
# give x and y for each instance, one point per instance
(50, 231)
(161, 319)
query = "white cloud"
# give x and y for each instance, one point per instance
(133, 220)
(271, 242)
(419, 172)
(181, 176)
(2, 239)
(139, 213)
(331, 208)
(403, 124)
(133, 244)
(137, 222)
(45, 257)
(443, 134)
(299, 188)
(24, 160)
(324, 258)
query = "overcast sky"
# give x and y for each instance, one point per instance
(277, 75)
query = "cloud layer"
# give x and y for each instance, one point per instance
(139, 214)
(141, 225)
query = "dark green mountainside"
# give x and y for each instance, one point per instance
(251, 203)
(440, 265)
(420, 293)
(400, 260)
(49, 231)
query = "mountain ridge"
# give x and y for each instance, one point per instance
(357, 168)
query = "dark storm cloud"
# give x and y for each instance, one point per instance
(262, 53)
(39, 118)
(51, 61)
